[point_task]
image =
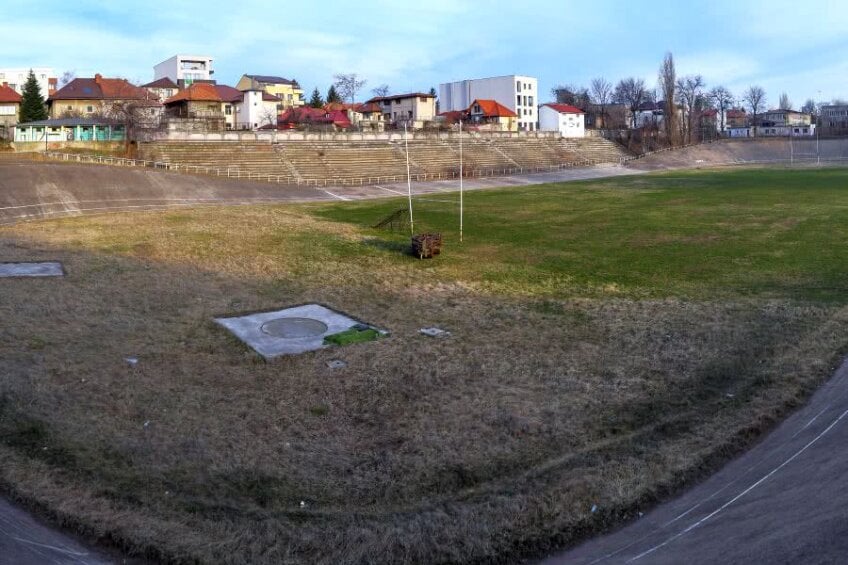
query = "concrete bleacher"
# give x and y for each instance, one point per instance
(243, 157)
(595, 149)
(376, 160)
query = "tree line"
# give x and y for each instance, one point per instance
(681, 99)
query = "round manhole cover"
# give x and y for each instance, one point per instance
(291, 328)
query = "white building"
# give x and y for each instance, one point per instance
(185, 69)
(565, 119)
(519, 93)
(17, 77)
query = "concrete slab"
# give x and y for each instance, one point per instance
(43, 269)
(289, 331)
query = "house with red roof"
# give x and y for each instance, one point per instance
(568, 120)
(162, 88)
(491, 115)
(199, 102)
(98, 96)
(10, 108)
(411, 110)
(306, 117)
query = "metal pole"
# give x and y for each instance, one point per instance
(818, 123)
(408, 178)
(460, 181)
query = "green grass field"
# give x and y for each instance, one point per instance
(778, 233)
(612, 342)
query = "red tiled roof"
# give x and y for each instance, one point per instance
(564, 108)
(400, 96)
(493, 109)
(163, 82)
(306, 114)
(7, 95)
(99, 88)
(369, 108)
(197, 92)
(736, 113)
(228, 93)
(270, 97)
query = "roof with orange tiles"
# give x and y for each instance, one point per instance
(493, 109)
(7, 94)
(564, 108)
(163, 82)
(197, 92)
(229, 94)
(99, 88)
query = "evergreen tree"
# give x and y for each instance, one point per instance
(332, 95)
(316, 101)
(32, 103)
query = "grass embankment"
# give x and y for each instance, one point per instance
(612, 340)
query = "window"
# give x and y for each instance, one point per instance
(422, 99)
(410, 114)
(476, 108)
(530, 98)
(518, 86)
(89, 109)
(397, 101)
(228, 110)
(518, 100)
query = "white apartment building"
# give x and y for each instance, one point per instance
(519, 93)
(185, 69)
(17, 77)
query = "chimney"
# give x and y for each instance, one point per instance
(98, 78)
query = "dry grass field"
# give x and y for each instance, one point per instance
(612, 341)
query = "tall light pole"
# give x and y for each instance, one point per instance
(818, 124)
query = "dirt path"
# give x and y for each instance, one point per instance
(784, 501)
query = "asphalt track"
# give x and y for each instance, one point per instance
(783, 501)
(38, 190)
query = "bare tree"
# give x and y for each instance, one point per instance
(67, 77)
(723, 100)
(601, 93)
(755, 98)
(668, 83)
(381, 91)
(575, 96)
(348, 85)
(785, 102)
(630, 92)
(690, 95)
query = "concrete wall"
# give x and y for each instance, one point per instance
(87, 146)
(341, 137)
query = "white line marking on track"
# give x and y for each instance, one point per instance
(741, 494)
(814, 418)
(389, 190)
(336, 195)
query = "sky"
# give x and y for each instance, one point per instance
(800, 48)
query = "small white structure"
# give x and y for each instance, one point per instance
(519, 93)
(185, 69)
(567, 120)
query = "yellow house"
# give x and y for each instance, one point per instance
(288, 91)
(492, 115)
